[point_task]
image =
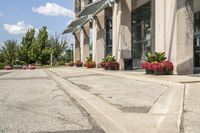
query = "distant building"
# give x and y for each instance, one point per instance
(129, 28)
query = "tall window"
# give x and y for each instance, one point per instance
(79, 6)
(108, 36)
(197, 40)
(141, 33)
(108, 32)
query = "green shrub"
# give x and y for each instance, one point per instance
(2, 65)
(61, 63)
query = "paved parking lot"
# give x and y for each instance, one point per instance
(32, 102)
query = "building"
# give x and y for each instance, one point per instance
(128, 28)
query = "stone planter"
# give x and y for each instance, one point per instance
(161, 72)
(149, 71)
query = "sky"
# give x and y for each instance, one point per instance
(17, 16)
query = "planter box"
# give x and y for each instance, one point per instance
(149, 71)
(162, 73)
(79, 65)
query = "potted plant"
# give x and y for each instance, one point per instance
(162, 68)
(153, 60)
(148, 67)
(89, 63)
(78, 63)
(110, 63)
(31, 66)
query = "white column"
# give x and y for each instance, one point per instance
(159, 25)
(82, 45)
(114, 38)
(94, 48)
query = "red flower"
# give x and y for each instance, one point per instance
(162, 66)
(147, 65)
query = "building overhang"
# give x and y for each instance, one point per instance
(76, 25)
(88, 14)
(96, 7)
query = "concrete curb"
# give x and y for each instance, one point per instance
(89, 102)
(105, 114)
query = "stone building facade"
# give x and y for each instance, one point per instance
(127, 29)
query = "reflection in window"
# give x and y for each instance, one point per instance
(141, 31)
(108, 32)
(197, 40)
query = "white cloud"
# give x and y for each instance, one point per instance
(53, 9)
(19, 28)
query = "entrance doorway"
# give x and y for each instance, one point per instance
(197, 42)
(141, 33)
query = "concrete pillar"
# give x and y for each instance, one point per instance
(77, 46)
(115, 26)
(94, 40)
(99, 35)
(158, 25)
(185, 36)
(85, 42)
(124, 31)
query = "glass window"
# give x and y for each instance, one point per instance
(79, 5)
(108, 46)
(197, 40)
(141, 33)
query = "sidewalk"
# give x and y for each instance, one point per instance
(130, 101)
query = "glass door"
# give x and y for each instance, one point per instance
(197, 42)
(141, 33)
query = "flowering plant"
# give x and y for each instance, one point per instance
(79, 63)
(112, 65)
(163, 66)
(103, 64)
(147, 65)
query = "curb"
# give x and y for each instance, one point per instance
(87, 101)
(106, 120)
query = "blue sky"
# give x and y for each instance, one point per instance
(16, 16)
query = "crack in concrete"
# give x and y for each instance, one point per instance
(181, 126)
(91, 120)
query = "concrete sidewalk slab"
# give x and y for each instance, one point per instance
(113, 120)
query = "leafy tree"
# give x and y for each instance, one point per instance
(26, 44)
(58, 46)
(2, 57)
(40, 50)
(9, 51)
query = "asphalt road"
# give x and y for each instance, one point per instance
(32, 102)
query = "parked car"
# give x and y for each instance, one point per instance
(8, 67)
(17, 66)
(24, 67)
(31, 66)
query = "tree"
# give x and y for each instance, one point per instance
(58, 46)
(9, 51)
(40, 50)
(26, 44)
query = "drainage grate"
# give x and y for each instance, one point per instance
(78, 131)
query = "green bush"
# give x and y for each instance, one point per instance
(61, 63)
(1, 65)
